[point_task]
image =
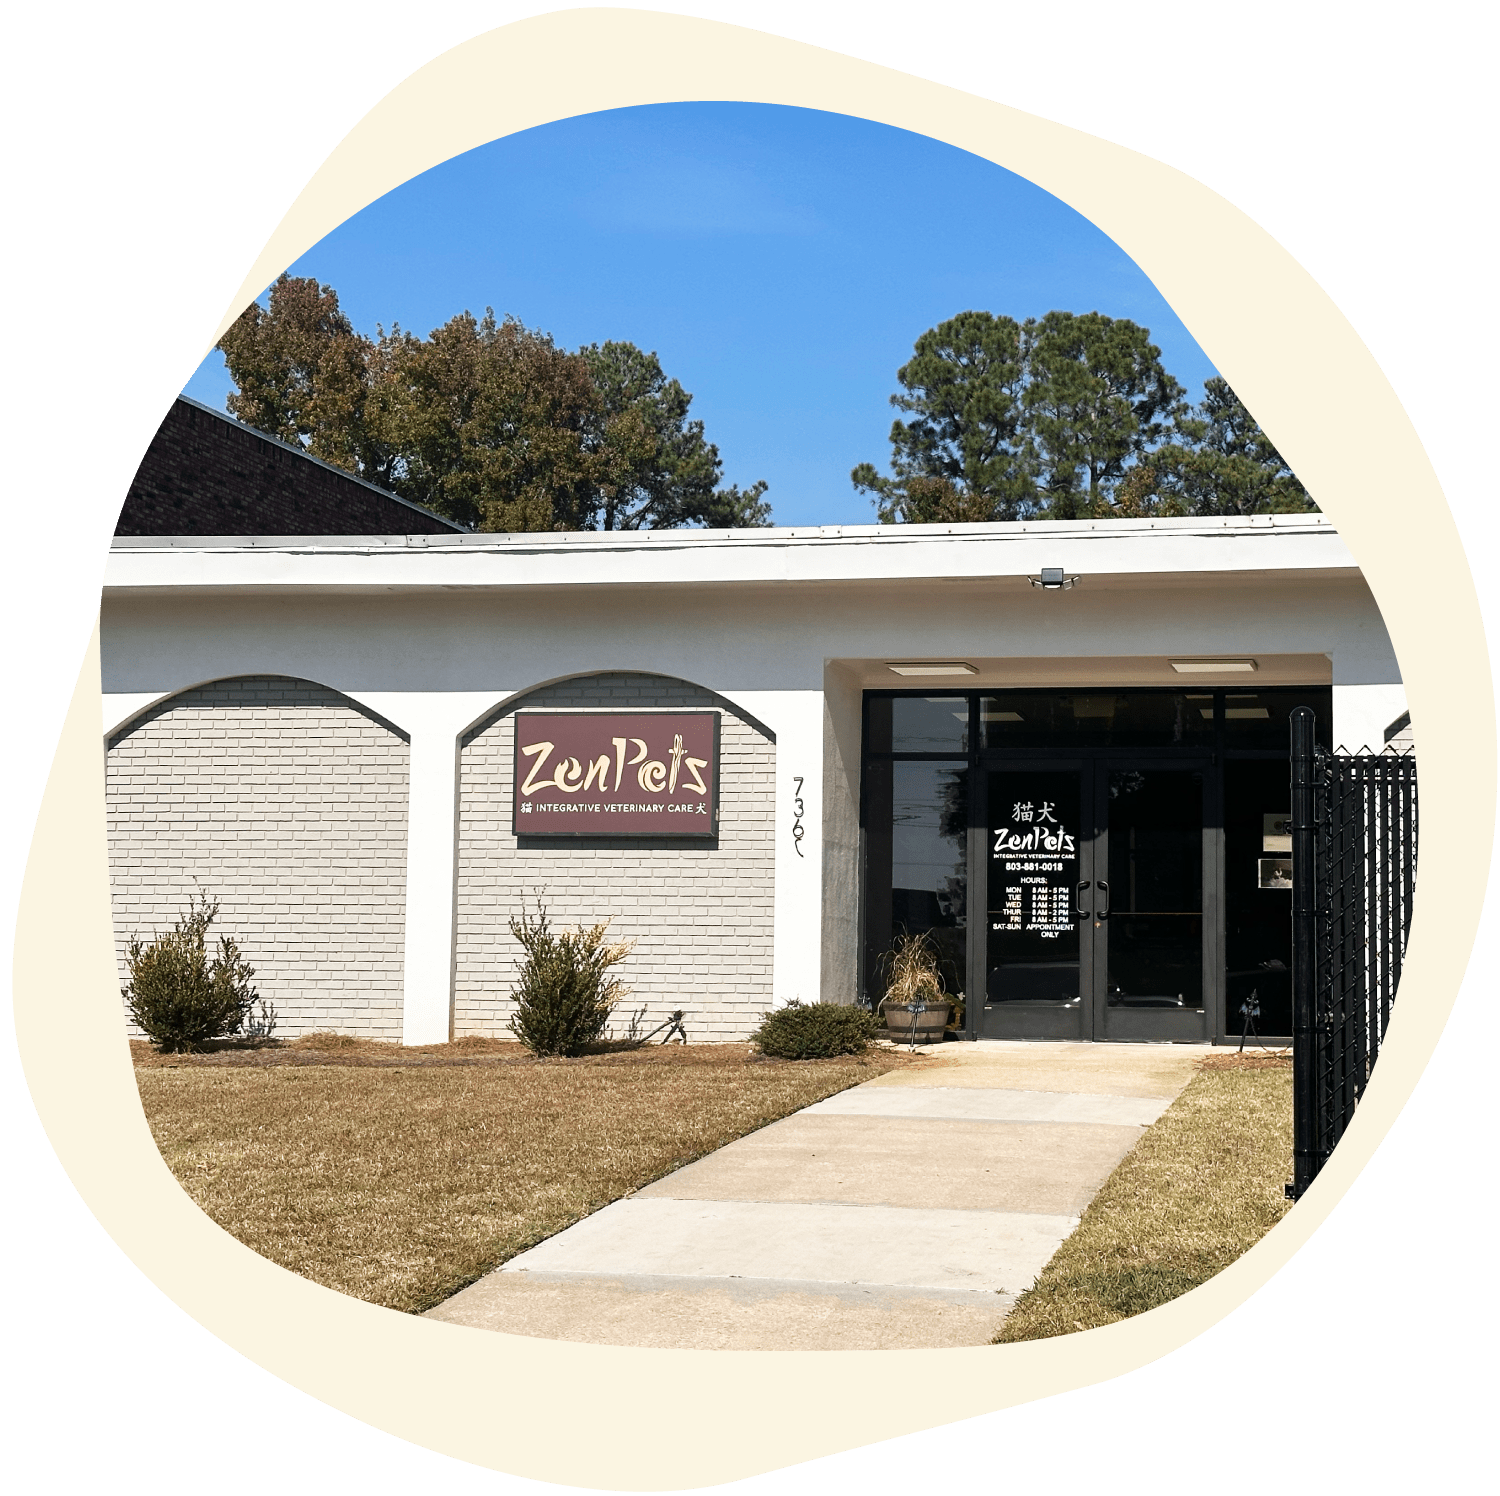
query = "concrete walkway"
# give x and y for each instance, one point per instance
(907, 1212)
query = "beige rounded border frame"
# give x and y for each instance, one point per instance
(502, 1401)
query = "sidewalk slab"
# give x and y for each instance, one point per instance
(975, 1104)
(983, 1251)
(1098, 1069)
(1052, 1169)
(905, 1213)
(734, 1314)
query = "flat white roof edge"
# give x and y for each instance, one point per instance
(769, 538)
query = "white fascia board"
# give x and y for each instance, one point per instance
(1092, 549)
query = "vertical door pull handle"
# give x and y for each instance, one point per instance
(1078, 900)
(1104, 912)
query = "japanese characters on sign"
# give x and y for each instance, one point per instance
(616, 774)
(1036, 857)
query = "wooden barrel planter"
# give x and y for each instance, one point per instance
(929, 1024)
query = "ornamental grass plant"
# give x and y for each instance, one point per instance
(912, 972)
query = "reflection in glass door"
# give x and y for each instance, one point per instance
(917, 853)
(1149, 907)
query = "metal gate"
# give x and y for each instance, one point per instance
(1354, 865)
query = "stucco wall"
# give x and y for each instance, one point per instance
(842, 721)
(287, 803)
(701, 914)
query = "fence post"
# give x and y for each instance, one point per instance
(1304, 957)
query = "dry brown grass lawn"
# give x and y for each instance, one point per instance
(1203, 1185)
(399, 1176)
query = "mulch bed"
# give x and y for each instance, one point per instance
(315, 1049)
(1251, 1059)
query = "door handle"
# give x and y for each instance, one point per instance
(1078, 908)
(1104, 912)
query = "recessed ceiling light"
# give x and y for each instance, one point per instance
(1212, 667)
(939, 667)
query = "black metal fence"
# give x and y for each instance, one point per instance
(1354, 868)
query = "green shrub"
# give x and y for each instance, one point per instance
(814, 1031)
(177, 996)
(565, 993)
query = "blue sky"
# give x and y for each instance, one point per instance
(780, 261)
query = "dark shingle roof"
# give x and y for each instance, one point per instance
(207, 474)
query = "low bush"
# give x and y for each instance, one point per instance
(565, 993)
(814, 1031)
(178, 996)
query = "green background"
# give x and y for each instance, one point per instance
(153, 147)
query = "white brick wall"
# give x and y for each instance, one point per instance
(701, 915)
(286, 802)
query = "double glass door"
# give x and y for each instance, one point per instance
(1095, 878)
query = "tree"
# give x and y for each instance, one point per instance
(1063, 417)
(736, 508)
(654, 467)
(1225, 465)
(302, 373)
(962, 455)
(1097, 399)
(487, 421)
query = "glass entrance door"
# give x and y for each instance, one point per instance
(1037, 855)
(1151, 891)
(1172, 806)
(1096, 887)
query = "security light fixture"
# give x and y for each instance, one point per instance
(931, 667)
(1054, 578)
(1212, 667)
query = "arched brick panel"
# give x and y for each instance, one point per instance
(286, 801)
(701, 915)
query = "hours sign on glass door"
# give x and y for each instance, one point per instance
(1035, 853)
(616, 774)
(1033, 937)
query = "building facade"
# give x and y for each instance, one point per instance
(1057, 749)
